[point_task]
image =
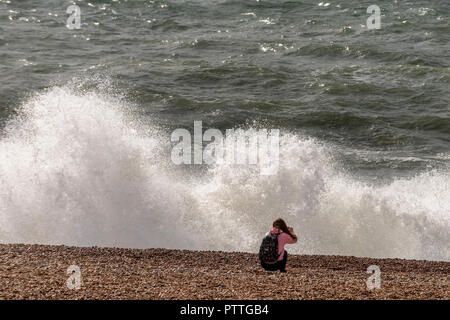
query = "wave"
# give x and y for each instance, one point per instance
(78, 168)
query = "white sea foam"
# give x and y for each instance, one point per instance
(75, 170)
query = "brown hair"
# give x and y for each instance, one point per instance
(280, 224)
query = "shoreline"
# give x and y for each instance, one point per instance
(40, 272)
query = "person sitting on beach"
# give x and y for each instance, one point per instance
(272, 255)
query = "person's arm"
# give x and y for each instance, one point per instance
(294, 239)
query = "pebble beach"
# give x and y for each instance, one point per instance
(40, 272)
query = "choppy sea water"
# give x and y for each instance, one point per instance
(86, 116)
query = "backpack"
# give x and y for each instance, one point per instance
(268, 251)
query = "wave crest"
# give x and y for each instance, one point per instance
(76, 169)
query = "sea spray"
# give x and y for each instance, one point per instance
(76, 169)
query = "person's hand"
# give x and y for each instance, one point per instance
(291, 230)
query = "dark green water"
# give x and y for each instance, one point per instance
(383, 95)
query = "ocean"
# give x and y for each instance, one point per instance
(87, 112)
